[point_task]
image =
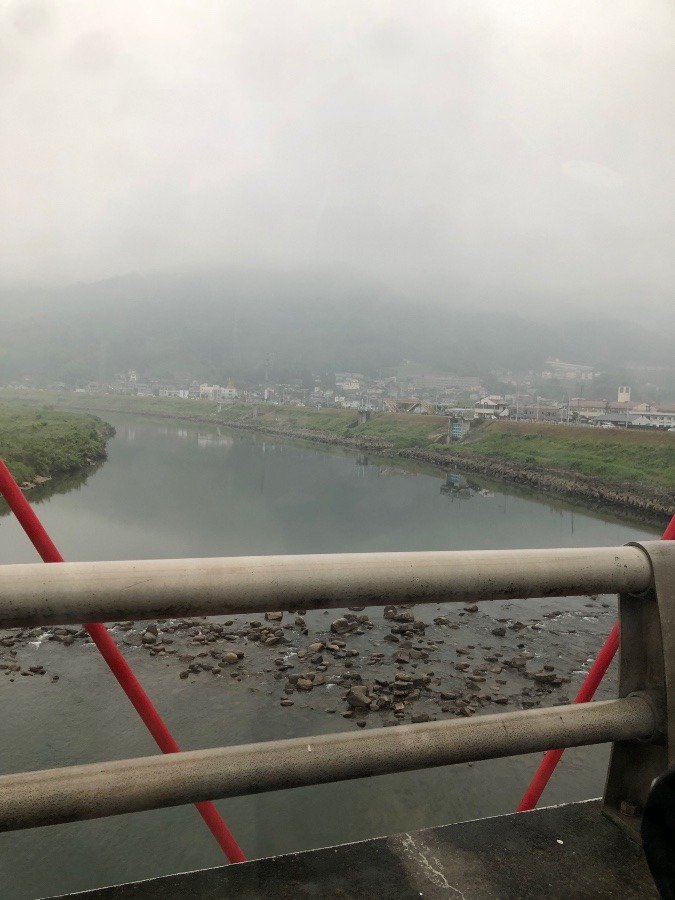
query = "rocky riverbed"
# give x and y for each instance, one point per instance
(374, 667)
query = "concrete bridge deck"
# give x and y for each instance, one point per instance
(561, 853)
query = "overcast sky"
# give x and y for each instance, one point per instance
(511, 144)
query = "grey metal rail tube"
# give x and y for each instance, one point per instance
(36, 594)
(105, 789)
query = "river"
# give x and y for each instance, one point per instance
(171, 490)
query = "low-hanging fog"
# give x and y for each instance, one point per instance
(520, 144)
(512, 155)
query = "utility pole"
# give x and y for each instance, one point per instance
(267, 376)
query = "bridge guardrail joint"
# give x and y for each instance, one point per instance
(646, 666)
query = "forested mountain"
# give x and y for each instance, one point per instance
(215, 325)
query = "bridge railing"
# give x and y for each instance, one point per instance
(637, 722)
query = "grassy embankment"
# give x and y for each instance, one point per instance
(37, 442)
(638, 457)
(617, 456)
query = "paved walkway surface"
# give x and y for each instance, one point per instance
(562, 852)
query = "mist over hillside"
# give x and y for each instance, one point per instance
(215, 325)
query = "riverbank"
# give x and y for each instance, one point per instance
(639, 491)
(630, 473)
(40, 443)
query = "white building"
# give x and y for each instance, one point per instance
(180, 393)
(554, 368)
(209, 391)
(350, 384)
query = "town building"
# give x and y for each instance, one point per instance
(446, 384)
(563, 371)
(459, 425)
(491, 407)
(209, 391)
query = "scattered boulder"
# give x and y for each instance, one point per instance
(357, 697)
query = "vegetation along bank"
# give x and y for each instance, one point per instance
(628, 471)
(38, 443)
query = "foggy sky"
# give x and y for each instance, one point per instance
(513, 144)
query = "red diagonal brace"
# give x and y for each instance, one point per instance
(117, 663)
(586, 693)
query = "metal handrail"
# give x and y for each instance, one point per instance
(72, 593)
(54, 796)
(105, 591)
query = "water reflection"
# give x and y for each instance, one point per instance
(380, 468)
(61, 484)
(214, 437)
(458, 485)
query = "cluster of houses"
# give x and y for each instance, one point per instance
(352, 390)
(427, 394)
(621, 413)
(129, 384)
(554, 369)
(624, 413)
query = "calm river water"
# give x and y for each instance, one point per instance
(168, 490)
